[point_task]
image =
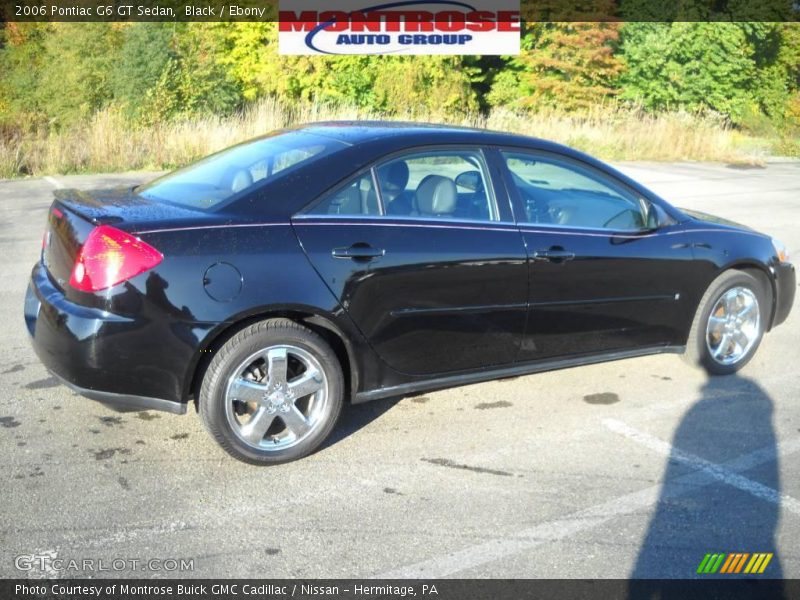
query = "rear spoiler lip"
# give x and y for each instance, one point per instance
(67, 199)
(123, 208)
(94, 220)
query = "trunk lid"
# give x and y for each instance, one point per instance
(64, 235)
(121, 205)
(75, 213)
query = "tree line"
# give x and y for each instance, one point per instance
(55, 75)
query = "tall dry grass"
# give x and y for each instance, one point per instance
(109, 142)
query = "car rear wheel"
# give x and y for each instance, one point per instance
(272, 393)
(729, 323)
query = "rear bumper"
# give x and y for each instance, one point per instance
(126, 402)
(89, 351)
(785, 288)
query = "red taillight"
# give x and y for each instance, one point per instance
(110, 256)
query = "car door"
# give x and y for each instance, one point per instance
(424, 256)
(609, 270)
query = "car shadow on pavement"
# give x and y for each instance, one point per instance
(726, 510)
(356, 416)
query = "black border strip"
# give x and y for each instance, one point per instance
(445, 589)
(530, 10)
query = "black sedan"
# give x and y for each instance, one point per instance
(272, 282)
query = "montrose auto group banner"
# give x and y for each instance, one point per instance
(405, 27)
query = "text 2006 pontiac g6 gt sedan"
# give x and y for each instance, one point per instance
(274, 281)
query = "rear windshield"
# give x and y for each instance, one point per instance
(221, 176)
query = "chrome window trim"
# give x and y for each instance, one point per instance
(526, 225)
(377, 221)
(385, 219)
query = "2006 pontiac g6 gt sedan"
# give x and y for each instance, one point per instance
(274, 281)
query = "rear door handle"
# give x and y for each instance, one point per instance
(553, 255)
(358, 251)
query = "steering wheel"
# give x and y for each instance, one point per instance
(538, 211)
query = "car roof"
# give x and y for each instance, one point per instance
(354, 132)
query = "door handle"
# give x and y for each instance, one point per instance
(358, 251)
(555, 256)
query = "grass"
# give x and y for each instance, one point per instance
(108, 142)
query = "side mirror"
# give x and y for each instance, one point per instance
(469, 180)
(657, 217)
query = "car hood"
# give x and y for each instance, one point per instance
(707, 218)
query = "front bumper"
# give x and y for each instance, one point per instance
(785, 288)
(86, 349)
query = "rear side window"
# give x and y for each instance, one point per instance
(221, 176)
(437, 185)
(451, 184)
(357, 197)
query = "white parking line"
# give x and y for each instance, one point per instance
(589, 518)
(713, 469)
(54, 182)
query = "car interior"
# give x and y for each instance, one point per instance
(569, 196)
(436, 195)
(452, 186)
(422, 189)
(357, 198)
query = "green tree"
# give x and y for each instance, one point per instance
(22, 54)
(168, 70)
(736, 69)
(74, 78)
(144, 56)
(412, 84)
(568, 66)
(204, 85)
(387, 83)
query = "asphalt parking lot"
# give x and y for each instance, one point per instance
(638, 467)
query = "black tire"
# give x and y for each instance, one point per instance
(214, 401)
(698, 352)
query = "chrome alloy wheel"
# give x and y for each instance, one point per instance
(276, 397)
(733, 325)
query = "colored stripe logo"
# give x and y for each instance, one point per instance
(734, 562)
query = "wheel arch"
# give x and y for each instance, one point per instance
(762, 274)
(320, 323)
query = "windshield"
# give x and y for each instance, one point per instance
(221, 176)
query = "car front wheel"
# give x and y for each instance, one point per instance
(729, 323)
(272, 393)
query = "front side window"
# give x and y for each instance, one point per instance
(569, 194)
